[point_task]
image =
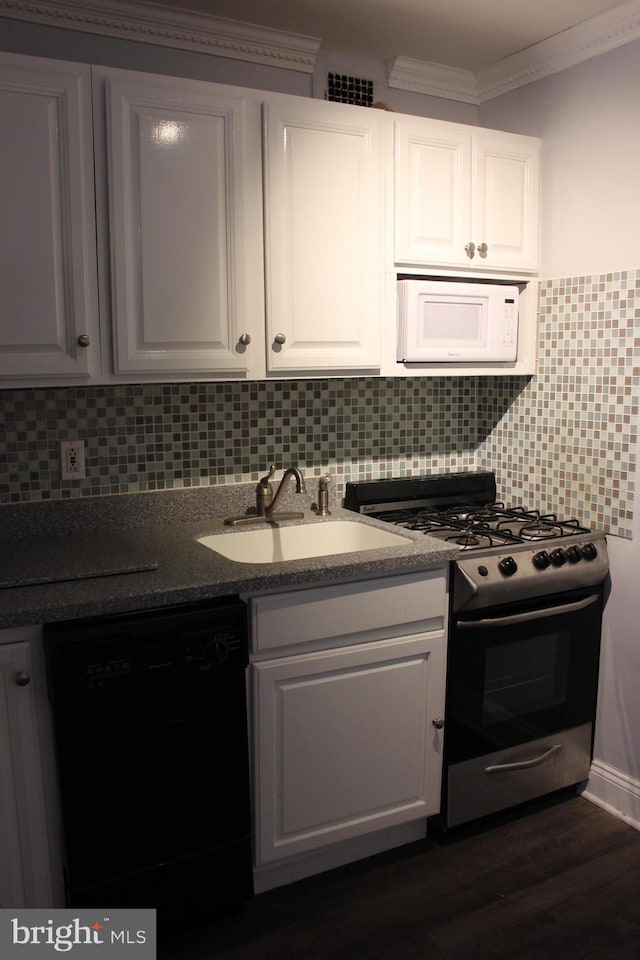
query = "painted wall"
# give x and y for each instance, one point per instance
(589, 120)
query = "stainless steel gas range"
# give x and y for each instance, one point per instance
(524, 637)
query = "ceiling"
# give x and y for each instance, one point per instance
(458, 33)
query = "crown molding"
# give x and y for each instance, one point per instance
(432, 79)
(160, 25)
(148, 22)
(595, 36)
(598, 35)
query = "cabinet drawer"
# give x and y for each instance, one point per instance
(361, 611)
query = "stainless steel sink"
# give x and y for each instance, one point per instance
(273, 544)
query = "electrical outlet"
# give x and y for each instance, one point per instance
(72, 460)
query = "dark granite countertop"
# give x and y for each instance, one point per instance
(71, 556)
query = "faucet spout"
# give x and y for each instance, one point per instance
(290, 472)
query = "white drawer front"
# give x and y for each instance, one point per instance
(361, 611)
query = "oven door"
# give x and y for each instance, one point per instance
(517, 673)
(521, 697)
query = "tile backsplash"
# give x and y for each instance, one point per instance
(157, 436)
(564, 440)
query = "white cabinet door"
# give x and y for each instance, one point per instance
(49, 327)
(432, 186)
(344, 743)
(324, 211)
(184, 174)
(465, 197)
(506, 204)
(25, 872)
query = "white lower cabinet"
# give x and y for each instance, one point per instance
(347, 739)
(28, 873)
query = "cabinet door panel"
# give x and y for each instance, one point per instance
(432, 192)
(25, 872)
(47, 241)
(343, 743)
(185, 229)
(324, 238)
(507, 203)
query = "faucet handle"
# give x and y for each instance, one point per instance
(264, 482)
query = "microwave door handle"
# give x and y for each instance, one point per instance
(530, 615)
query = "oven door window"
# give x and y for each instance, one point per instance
(525, 676)
(521, 673)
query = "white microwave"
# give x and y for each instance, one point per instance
(442, 321)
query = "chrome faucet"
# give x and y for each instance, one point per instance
(270, 511)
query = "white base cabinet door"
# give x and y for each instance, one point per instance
(465, 197)
(344, 743)
(48, 272)
(185, 225)
(26, 823)
(324, 218)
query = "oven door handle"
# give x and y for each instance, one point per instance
(530, 615)
(524, 764)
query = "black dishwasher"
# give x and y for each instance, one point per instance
(151, 737)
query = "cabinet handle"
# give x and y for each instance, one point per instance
(438, 723)
(280, 338)
(482, 249)
(471, 249)
(245, 339)
(84, 340)
(22, 678)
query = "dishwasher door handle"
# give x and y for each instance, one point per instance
(524, 764)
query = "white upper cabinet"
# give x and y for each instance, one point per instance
(324, 218)
(465, 197)
(185, 227)
(49, 325)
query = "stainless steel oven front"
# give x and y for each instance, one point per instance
(521, 697)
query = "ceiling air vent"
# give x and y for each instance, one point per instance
(345, 89)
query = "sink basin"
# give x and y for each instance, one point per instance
(272, 544)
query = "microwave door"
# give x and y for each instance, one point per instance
(449, 329)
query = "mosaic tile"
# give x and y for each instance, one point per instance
(566, 439)
(167, 436)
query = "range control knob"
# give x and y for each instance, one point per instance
(573, 554)
(589, 551)
(558, 557)
(508, 566)
(541, 560)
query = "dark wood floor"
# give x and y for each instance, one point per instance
(559, 882)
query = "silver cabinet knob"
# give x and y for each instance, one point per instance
(438, 723)
(280, 338)
(245, 339)
(482, 249)
(22, 678)
(84, 340)
(470, 249)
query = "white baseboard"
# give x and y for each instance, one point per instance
(614, 791)
(297, 868)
